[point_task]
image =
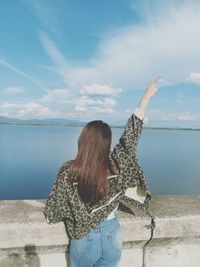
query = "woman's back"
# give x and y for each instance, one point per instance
(89, 188)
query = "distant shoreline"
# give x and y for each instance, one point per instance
(172, 128)
(41, 125)
(82, 125)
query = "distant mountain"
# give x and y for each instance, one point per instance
(52, 121)
(75, 123)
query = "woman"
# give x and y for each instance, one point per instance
(87, 190)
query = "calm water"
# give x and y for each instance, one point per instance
(30, 157)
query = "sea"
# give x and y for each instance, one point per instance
(30, 157)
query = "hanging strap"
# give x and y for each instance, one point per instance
(152, 226)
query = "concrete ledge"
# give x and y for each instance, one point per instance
(27, 240)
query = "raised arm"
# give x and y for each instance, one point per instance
(128, 141)
(148, 94)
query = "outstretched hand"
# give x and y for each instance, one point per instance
(152, 89)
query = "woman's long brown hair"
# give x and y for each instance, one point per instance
(90, 167)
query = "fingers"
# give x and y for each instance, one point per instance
(156, 79)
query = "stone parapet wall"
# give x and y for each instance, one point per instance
(27, 240)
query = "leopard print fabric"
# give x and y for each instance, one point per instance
(64, 204)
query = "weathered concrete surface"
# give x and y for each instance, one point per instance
(176, 239)
(27, 240)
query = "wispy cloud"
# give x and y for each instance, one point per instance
(45, 11)
(61, 66)
(161, 45)
(194, 77)
(100, 89)
(52, 51)
(26, 110)
(85, 104)
(161, 115)
(41, 108)
(165, 41)
(88, 104)
(56, 96)
(11, 67)
(131, 56)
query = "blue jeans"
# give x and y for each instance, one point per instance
(101, 247)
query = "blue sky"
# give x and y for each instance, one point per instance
(91, 59)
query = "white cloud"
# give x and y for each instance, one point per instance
(100, 89)
(38, 110)
(165, 116)
(87, 104)
(138, 53)
(194, 77)
(188, 116)
(13, 90)
(56, 95)
(167, 42)
(26, 110)
(84, 103)
(57, 104)
(131, 56)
